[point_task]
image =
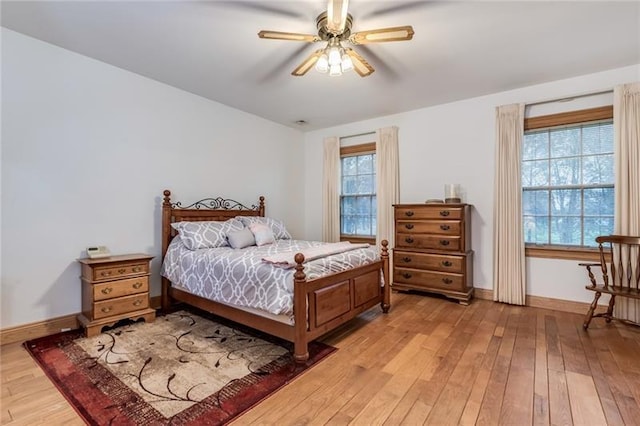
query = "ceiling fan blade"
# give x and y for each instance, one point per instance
(307, 64)
(278, 35)
(382, 35)
(337, 15)
(361, 66)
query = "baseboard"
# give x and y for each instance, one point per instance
(34, 330)
(541, 302)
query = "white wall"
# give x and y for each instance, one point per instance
(454, 143)
(87, 150)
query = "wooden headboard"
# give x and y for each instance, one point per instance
(217, 209)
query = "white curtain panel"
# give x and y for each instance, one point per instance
(626, 119)
(331, 190)
(509, 284)
(388, 182)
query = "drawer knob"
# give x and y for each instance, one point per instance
(107, 290)
(446, 263)
(406, 275)
(137, 302)
(105, 273)
(445, 227)
(409, 213)
(106, 309)
(122, 271)
(136, 269)
(409, 240)
(406, 259)
(137, 285)
(444, 242)
(444, 213)
(447, 280)
(409, 226)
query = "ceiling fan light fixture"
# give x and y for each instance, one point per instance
(335, 70)
(347, 64)
(323, 64)
(334, 55)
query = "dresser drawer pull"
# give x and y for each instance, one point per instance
(409, 240)
(406, 275)
(105, 273)
(409, 213)
(445, 227)
(137, 302)
(446, 263)
(107, 290)
(106, 309)
(409, 226)
(406, 259)
(447, 280)
(444, 213)
(122, 271)
(136, 269)
(444, 242)
(137, 285)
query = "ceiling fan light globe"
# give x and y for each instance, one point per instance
(334, 56)
(347, 64)
(323, 64)
(335, 70)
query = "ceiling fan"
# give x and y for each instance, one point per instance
(334, 28)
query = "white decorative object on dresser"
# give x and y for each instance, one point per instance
(433, 249)
(114, 288)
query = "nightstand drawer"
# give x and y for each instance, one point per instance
(428, 212)
(121, 305)
(119, 288)
(423, 241)
(119, 271)
(428, 279)
(429, 261)
(442, 227)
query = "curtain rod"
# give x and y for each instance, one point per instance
(568, 98)
(358, 134)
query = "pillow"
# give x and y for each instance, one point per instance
(276, 226)
(241, 239)
(262, 233)
(198, 235)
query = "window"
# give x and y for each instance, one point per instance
(568, 178)
(358, 192)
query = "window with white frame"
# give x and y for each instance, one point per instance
(358, 192)
(568, 179)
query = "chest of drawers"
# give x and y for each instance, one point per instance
(113, 289)
(432, 251)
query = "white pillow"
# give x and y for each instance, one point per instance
(262, 233)
(277, 226)
(198, 235)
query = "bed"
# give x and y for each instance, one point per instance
(320, 303)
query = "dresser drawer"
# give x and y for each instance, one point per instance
(442, 227)
(423, 241)
(119, 271)
(428, 279)
(119, 288)
(428, 212)
(429, 261)
(120, 305)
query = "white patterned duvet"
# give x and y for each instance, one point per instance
(239, 276)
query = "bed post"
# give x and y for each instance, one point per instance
(261, 207)
(166, 237)
(300, 346)
(386, 296)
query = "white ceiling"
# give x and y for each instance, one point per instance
(460, 49)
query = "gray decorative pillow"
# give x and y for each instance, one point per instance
(241, 239)
(198, 235)
(277, 226)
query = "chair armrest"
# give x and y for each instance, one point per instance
(589, 264)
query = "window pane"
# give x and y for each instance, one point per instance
(363, 206)
(565, 142)
(597, 169)
(597, 138)
(348, 225)
(535, 173)
(374, 206)
(536, 229)
(565, 171)
(363, 225)
(365, 184)
(535, 145)
(565, 230)
(566, 202)
(598, 202)
(349, 185)
(535, 202)
(365, 164)
(596, 226)
(348, 206)
(349, 166)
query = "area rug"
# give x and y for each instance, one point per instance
(181, 369)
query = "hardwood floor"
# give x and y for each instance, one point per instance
(428, 361)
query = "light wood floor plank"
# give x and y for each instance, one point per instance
(585, 404)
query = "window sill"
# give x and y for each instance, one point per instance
(357, 239)
(564, 253)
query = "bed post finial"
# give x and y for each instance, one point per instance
(386, 296)
(261, 206)
(300, 347)
(167, 197)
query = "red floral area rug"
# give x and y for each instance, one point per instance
(182, 369)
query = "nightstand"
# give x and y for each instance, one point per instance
(114, 288)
